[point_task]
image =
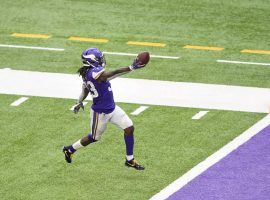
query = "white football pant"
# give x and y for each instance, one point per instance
(99, 121)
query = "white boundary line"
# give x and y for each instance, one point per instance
(19, 101)
(31, 47)
(211, 160)
(133, 54)
(240, 62)
(139, 110)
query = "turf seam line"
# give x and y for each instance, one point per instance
(213, 159)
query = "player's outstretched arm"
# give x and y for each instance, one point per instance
(109, 75)
(117, 75)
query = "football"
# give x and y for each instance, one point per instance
(143, 57)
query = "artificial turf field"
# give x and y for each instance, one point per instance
(168, 145)
(168, 142)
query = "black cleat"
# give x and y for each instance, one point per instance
(68, 155)
(133, 163)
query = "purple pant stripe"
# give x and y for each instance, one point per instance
(243, 174)
(94, 125)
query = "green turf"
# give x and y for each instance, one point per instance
(168, 143)
(230, 24)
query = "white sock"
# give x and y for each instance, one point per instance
(129, 157)
(77, 145)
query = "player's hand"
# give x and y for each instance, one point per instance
(77, 107)
(136, 65)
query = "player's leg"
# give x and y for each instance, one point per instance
(98, 125)
(129, 141)
(121, 119)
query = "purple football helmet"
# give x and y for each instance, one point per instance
(93, 57)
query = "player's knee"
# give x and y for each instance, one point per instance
(132, 129)
(129, 130)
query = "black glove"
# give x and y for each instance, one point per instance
(77, 107)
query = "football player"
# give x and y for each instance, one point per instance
(103, 110)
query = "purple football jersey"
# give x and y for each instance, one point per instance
(103, 101)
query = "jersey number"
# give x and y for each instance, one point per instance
(92, 89)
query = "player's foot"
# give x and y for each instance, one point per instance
(68, 155)
(133, 163)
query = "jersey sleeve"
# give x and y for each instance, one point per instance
(97, 71)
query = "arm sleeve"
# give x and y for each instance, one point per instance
(84, 93)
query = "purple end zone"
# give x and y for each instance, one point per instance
(243, 174)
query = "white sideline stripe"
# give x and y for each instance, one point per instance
(19, 101)
(139, 110)
(84, 103)
(31, 47)
(151, 92)
(240, 62)
(134, 55)
(199, 115)
(211, 160)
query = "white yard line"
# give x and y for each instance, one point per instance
(139, 110)
(199, 115)
(134, 55)
(19, 101)
(241, 62)
(61, 49)
(140, 91)
(84, 103)
(211, 160)
(31, 47)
